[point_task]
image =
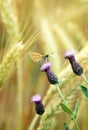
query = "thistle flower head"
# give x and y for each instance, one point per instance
(69, 54)
(36, 98)
(39, 108)
(76, 67)
(46, 66)
(52, 78)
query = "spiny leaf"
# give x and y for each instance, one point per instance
(76, 109)
(66, 127)
(85, 91)
(65, 108)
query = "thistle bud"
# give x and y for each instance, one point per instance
(52, 78)
(39, 108)
(76, 67)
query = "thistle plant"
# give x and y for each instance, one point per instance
(38, 104)
(53, 79)
(76, 67)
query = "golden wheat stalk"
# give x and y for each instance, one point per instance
(7, 64)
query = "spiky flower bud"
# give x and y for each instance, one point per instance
(38, 104)
(52, 78)
(76, 67)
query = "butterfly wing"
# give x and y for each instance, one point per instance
(36, 57)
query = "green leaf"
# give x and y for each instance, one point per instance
(85, 91)
(66, 127)
(65, 108)
(76, 109)
(46, 125)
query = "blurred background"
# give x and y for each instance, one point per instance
(59, 25)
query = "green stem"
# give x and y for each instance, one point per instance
(32, 125)
(84, 78)
(65, 102)
(46, 126)
(61, 95)
(76, 124)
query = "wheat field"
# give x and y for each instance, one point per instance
(41, 26)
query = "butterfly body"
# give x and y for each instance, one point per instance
(36, 57)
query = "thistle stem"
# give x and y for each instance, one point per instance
(84, 78)
(61, 95)
(32, 125)
(76, 124)
(65, 102)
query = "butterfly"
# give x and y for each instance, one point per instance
(36, 57)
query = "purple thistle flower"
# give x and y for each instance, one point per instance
(52, 78)
(69, 54)
(38, 104)
(76, 67)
